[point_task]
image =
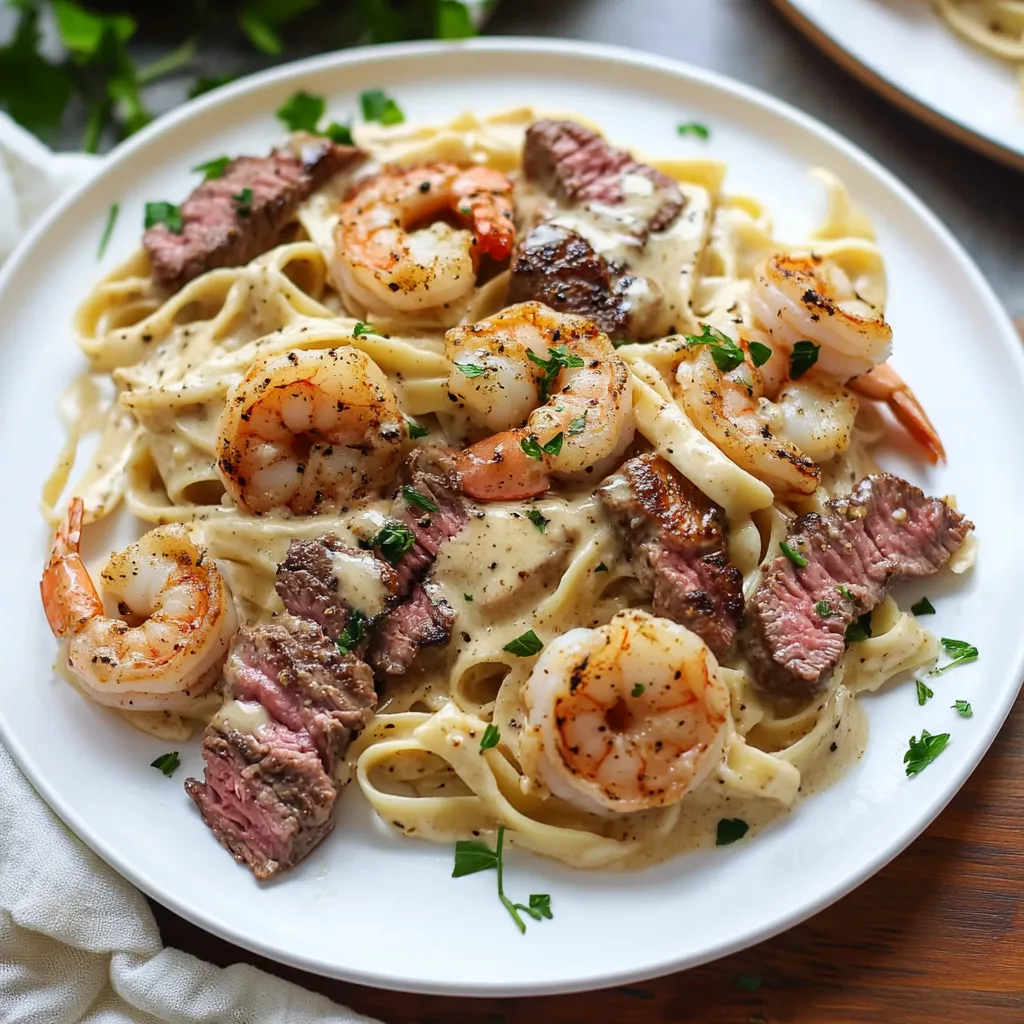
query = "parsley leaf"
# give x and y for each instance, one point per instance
(730, 830)
(108, 230)
(541, 902)
(413, 497)
(490, 737)
(167, 763)
(538, 520)
(377, 105)
(360, 329)
(960, 651)
(353, 634)
(823, 609)
(600, 567)
(694, 128)
(859, 630)
(923, 607)
(467, 597)
(301, 112)
(963, 707)
(454, 21)
(759, 354)
(415, 430)
(921, 752)
(792, 554)
(213, 169)
(525, 646)
(845, 591)
(561, 358)
(471, 857)
(341, 134)
(803, 357)
(164, 213)
(393, 539)
(243, 203)
(532, 447)
(471, 369)
(725, 352)
(578, 425)
(924, 693)
(637, 690)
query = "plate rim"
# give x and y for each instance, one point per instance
(951, 127)
(738, 91)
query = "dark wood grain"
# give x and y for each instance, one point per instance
(937, 936)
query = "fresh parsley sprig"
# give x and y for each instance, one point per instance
(490, 737)
(960, 651)
(167, 763)
(471, 857)
(525, 645)
(538, 520)
(393, 540)
(532, 446)
(921, 752)
(725, 352)
(353, 634)
(417, 500)
(560, 359)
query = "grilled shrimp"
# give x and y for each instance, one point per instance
(557, 374)
(806, 297)
(626, 717)
(382, 266)
(306, 430)
(177, 618)
(729, 410)
(816, 417)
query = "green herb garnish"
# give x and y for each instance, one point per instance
(725, 352)
(759, 354)
(730, 830)
(164, 213)
(794, 556)
(377, 105)
(454, 20)
(471, 857)
(823, 609)
(415, 430)
(108, 229)
(393, 539)
(243, 203)
(960, 651)
(578, 425)
(923, 751)
(923, 607)
(340, 134)
(301, 112)
(471, 369)
(413, 497)
(859, 630)
(803, 357)
(560, 359)
(924, 693)
(525, 646)
(467, 597)
(360, 329)
(600, 567)
(694, 128)
(963, 707)
(167, 763)
(538, 520)
(637, 690)
(353, 634)
(490, 737)
(212, 169)
(845, 591)
(536, 450)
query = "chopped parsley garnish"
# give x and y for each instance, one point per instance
(803, 357)
(637, 690)
(960, 651)
(924, 693)
(471, 369)
(963, 708)
(578, 425)
(360, 329)
(525, 646)
(536, 450)
(923, 751)
(538, 520)
(845, 591)
(471, 857)
(561, 359)
(212, 169)
(923, 607)
(759, 354)
(490, 737)
(467, 597)
(859, 630)
(164, 213)
(377, 105)
(413, 497)
(694, 128)
(600, 567)
(823, 609)
(454, 21)
(108, 229)
(167, 763)
(394, 540)
(730, 830)
(301, 112)
(353, 634)
(339, 133)
(243, 203)
(794, 556)
(415, 430)
(725, 352)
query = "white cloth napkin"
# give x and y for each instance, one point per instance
(77, 941)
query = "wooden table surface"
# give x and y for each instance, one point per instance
(937, 936)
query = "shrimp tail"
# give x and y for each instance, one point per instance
(68, 594)
(884, 384)
(497, 469)
(484, 192)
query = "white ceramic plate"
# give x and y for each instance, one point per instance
(371, 907)
(905, 51)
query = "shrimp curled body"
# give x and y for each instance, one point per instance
(630, 716)
(177, 618)
(305, 430)
(553, 389)
(381, 266)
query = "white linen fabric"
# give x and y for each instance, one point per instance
(78, 943)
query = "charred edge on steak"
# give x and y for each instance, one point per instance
(217, 232)
(676, 543)
(886, 530)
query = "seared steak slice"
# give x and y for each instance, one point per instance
(266, 796)
(303, 681)
(221, 230)
(309, 585)
(576, 165)
(886, 530)
(419, 621)
(676, 541)
(559, 267)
